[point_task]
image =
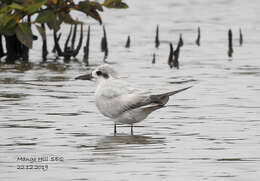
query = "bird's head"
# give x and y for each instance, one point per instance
(102, 72)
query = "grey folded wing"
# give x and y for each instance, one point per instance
(116, 105)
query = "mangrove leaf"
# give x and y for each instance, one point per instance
(24, 34)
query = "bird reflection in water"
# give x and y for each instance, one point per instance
(123, 140)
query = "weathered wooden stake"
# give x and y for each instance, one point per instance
(24, 52)
(68, 51)
(104, 47)
(74, 37)
(44, 44)
(154, 57)
(176, 58)
(180, 43)
(157, 41)
(76, 51)
(56, 43)
(177, 52)
(86, 49)
(230, 43)
(198, 37)
(170, 58)
(127, 45)
(54, 50)
(240, 37)
(66, 45)
(12, 48)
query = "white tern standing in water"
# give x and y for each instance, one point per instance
(119, 101)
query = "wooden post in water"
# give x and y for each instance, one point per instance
(170, 58)
(44, 44)
(240, 37)
(56, 43)
(180, 43)
(127, 45)
(198, 37)
(24, 50)
(54, 50)
(66, 45)
(68, 52)
(154, 57)
(67, 49)
(104, 47)
(12, 47)
(86, 49)
(176, 57)
(230, 43)
(176, 53)
(76, 51)
(157, 41)
(73, 39)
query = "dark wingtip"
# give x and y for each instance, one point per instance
(184, 89)
(177, 91)
(187, 87)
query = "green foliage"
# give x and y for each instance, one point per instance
(15, 15)
(91, 9)
(24, 34)
(41, 31)
(115, 4)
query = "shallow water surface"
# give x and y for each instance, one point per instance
(210, 132)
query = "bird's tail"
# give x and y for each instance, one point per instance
(175, 92)
(162, 99)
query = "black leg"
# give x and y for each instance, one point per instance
(115, 129)
(132, 132)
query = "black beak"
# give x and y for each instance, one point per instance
(84, 77)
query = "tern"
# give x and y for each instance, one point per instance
(118, 100)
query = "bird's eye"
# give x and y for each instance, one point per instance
(99, 73)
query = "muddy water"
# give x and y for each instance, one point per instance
(51, 129)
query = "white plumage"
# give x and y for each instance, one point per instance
(121, 102)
